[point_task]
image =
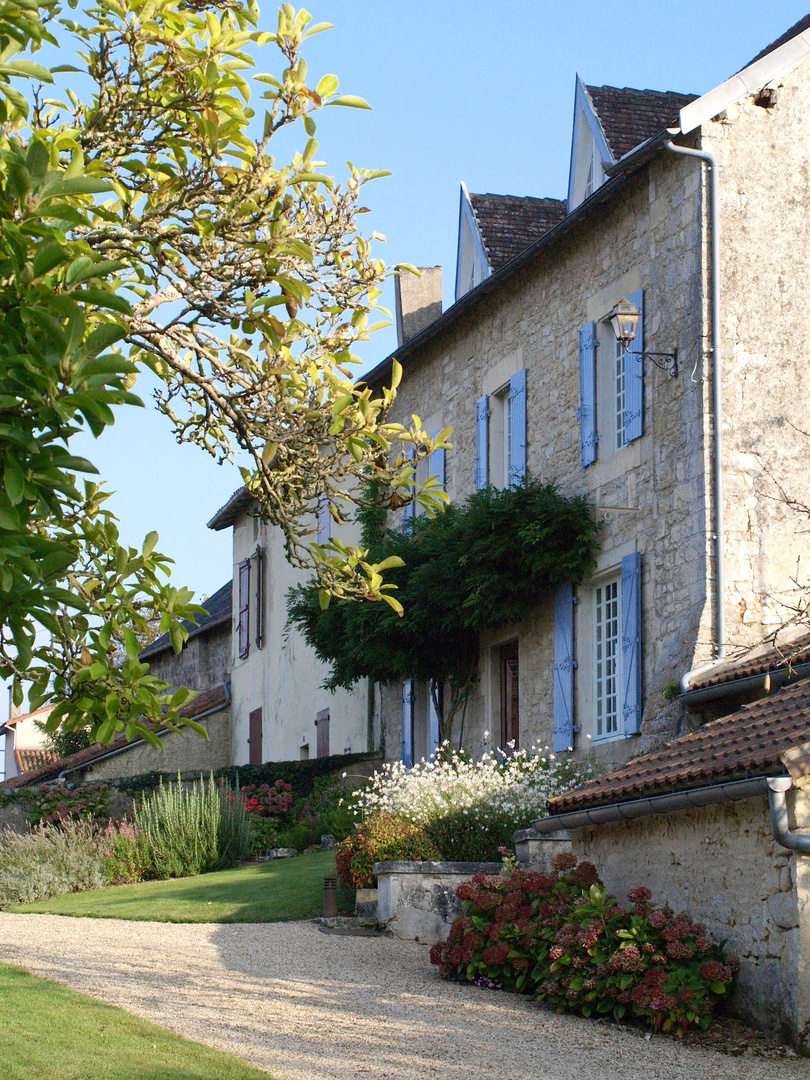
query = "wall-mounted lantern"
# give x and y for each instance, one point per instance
(624, 319)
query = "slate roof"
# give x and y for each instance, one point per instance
(35, 758)
(797, 28)
(630, 117)
(509, 223)
(218, 606)
(789, 656)
(214, 699)
(744, 744)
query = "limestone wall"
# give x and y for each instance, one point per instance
(204, 661)
(721, 866)
(650, 494)
(180, 753)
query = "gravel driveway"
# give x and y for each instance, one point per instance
(308, 1006)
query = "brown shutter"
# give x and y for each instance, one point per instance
(244, 608)
(255, 737)
(259, 597)
(322, 724)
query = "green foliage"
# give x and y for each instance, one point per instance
(562, 938)
(192, 830)
(381, 838)
(55, 805)
(485, 563)
(49, 861)
(126, 859)
(302, 776)
(122, 221)
(64, 743)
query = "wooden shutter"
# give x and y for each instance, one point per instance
(322, 726)
(259, 597)
(438, 465)
(517, 428)
(244, 608)
(409, 511)
(434, 734)
(634, 377)
(407, 723)
(564, 668)
(587, 393)
(631, 644)
(255, 737)
(482, 443)
(324, 521)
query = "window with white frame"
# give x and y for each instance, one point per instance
(619, 392)
(607, 645)
(500, 438)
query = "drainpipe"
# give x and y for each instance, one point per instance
(800, 842)
(714, 213)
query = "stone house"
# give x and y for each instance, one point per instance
(202, 665)
(24, 742)
(280, 710)
(695, 210)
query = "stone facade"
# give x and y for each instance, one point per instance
(655, 494)
(204, 660)
(720, 865)
(180, 753)
(417, 900)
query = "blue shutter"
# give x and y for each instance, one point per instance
(482, 443)
(564, 668)
(409, 511)
(433, 721)
(634, 377)
(407, 723)
(631, 644)
(517, 428)
(438, 465)
(587, 393)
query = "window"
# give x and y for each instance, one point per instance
(607, 658)
(501, 435)
(324, 521)
(611, 381)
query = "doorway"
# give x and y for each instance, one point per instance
(510, 708)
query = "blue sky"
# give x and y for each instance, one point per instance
(480, 92)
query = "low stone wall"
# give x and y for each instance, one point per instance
(417, 900)
(721, 865)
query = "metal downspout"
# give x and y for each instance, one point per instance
(780, 828)
(714, 212)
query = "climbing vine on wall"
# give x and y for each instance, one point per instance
(487, 562)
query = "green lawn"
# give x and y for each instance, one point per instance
(282, 889)
(48, 1032)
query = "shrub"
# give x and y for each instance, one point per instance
(53, 805)
(264, 835)
(124, 852)
(325, 809)
(191, 831)
(563, 938)
(380, 838)
(470, 808)
(49, 861)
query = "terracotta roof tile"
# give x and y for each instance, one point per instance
(746, 743)
(35, 758)
(215, 697)
(509, 223)
(630, 117)
(798, 652)
(39, 714)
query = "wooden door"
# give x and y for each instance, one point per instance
(510, 710)
(255, 737)
(322, 724)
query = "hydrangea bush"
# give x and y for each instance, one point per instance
(470, 808)
(561, 937)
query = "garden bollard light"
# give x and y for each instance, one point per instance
(329, 897)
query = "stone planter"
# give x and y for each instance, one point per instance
(365, 903)
(417, 900)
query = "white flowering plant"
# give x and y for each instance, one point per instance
(470, 808)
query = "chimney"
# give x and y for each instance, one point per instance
(418, 301)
